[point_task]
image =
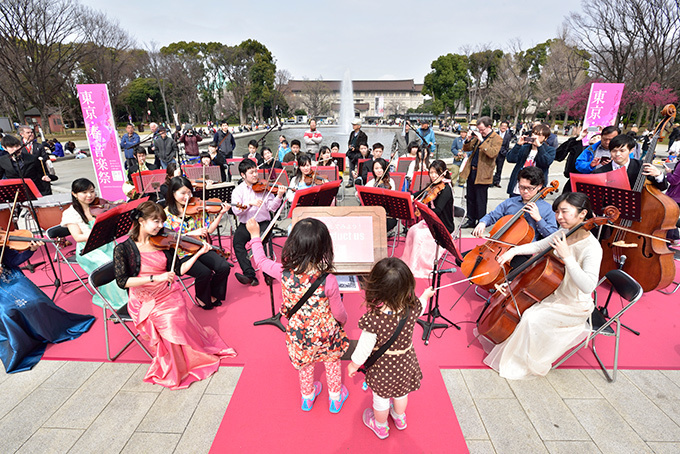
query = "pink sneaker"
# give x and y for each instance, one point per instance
(307, 404)
(369, 420)
(399, 422)
(334, 406)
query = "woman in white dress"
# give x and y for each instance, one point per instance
(549, 328)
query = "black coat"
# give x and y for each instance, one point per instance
(633, 171)
(32, 170)
(353, 154)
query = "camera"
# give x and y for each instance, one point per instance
(529, 140)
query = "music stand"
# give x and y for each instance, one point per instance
(360, 167)
(397, 204)
(195, 172)
(418, 182)
(284, 180)
(148, 179)
(398, 178)
(316, 196)
(628, 202)
(275, 319)
(28, 192)
(442, 238)
(404, 162)
(339, 160)
(111, 225)
(328, 172)
(220, 191)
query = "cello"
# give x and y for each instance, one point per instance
(509, 231)
(647, 260)
(531, 283)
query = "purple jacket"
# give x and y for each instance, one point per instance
(674, 184)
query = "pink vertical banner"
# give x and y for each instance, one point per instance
(603, 106)
(103, 140)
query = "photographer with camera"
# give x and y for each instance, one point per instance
(190, 140)
(597, 155)
(532, 150)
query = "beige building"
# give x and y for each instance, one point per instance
(397, 95)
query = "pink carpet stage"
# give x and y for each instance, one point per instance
(264, 413)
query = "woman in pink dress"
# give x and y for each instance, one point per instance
(184, 351)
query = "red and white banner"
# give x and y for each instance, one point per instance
(603, 106)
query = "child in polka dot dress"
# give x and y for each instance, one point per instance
(390, 291)
(314, 333)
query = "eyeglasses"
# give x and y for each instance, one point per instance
(527, 188)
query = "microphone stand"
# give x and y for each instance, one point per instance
(422, 160)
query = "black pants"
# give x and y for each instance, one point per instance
(211, 272)
(477, 196)
(500, 160)
(241, 237)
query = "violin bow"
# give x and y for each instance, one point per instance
(204, 185)
(267, 194)
(179, 237)
(9, 223)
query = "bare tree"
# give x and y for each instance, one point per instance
(512, 86)
(41, 42)
(316, 97)
(159, 65)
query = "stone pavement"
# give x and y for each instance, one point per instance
(61, 407)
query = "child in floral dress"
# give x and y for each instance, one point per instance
(390, 296)
(314, 333)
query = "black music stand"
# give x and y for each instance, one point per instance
(316, 196)
(339, 160)
(442, 238)
(28, 192)
(275, 319)
(397, 204)
(111, 225)
(628, 202)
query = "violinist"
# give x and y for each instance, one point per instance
(620, 148)
(326, 157)
(367, 168)
(184, 351)
(78, 219)
(211, 270)
(259, 206)
(305, 177)
(19, 163)
(548, 329)
(270, 163)
(139, 165)
(172, 171)
(538, 214)
(382, 179)
(364, 153)
(421, 162)
(218, 158)
(252, 152)
(419, 251)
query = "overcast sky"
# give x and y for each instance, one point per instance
(373, 39)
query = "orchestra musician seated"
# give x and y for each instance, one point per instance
(382, 179)
(420, 248)
(211, 270)
(538, 214)
(621, 148)
(549, 328)
(139, 165)
(248, 204)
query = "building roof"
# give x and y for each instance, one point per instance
(360, 85)
(360, 106)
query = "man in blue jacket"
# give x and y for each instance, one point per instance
(531, 150)
(128, 143)
(597, 155)
(426, 133)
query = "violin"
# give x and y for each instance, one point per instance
(211, 206)
(20, 240)
(508, 231)
(264, 185)
(167, 239)
(432, 193)
(531, 283)
(311, 180)
(101, 206)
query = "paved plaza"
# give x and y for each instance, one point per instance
(92, 407)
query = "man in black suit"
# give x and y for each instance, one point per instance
(19, 163)
(356, 137)
(507, 136)
(32, 145)
(620, 148)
